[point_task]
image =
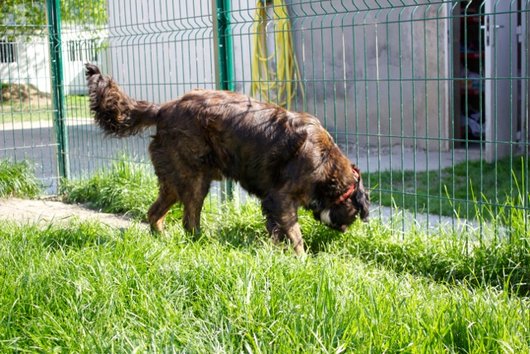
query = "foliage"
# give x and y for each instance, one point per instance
(17, 179)
(124, 188)
(448, 256)
(86, 287)
(29, 16)
(40, 109)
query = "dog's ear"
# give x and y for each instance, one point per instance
(356, 171)
(361, 196)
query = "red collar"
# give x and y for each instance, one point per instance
(349, 192)
(346, 194)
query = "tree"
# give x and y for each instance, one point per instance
(25, 17)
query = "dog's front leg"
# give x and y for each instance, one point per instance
(282, 220)
(295, 235)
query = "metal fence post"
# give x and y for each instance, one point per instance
(53, 9)
(224, 45)
(224, 62)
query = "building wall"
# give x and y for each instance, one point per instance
(31, 65)
(80, 47)
(32, 60)
(377, 75)
(382, 74)
(160, 49)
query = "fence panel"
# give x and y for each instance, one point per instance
(26, 109)
(429, 98)
(411, 90)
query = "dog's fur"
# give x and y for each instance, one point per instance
(286, 159)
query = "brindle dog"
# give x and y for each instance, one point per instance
(286, 159)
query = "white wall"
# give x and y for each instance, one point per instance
(370, 69)
(160, 49)
(32, 65)
(80, 47)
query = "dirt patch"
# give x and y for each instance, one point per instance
(48, 211)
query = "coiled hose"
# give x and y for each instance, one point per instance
(276, 75)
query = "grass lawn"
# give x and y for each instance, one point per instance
(470, 189)
(14, 112)
(86, 287)
(89, 288)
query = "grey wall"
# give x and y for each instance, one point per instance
(372, 73)
(160, 49)
(375, 73)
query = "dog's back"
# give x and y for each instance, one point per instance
(247, 140)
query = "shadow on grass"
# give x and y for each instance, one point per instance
(446, 258)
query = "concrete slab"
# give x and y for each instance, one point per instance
(407, 159)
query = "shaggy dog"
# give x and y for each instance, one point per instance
(286, 159)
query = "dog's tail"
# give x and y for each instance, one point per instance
(114, 111)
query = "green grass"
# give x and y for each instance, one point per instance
(14, 112)
(86, 287)
(17, 179)
(472, 189)
(124, 188)
(477, 258)
(89, 288)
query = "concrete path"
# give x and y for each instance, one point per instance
(47, 211)
(407, 159)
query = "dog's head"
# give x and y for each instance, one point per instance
(353, 204)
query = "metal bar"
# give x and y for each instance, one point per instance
(56, 63)
(224, 64)
(224, 45)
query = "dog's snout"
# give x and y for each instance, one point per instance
(365, 213)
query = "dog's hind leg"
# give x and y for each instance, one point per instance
(193, 198)
(167, 196)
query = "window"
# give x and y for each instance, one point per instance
(7, 52)
(82, 50)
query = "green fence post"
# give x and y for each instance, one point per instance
(225, 71)
(224, 45)
(56, 62)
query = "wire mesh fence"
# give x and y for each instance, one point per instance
(429, 98)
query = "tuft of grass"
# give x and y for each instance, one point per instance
(89, 288)
(473, 189)
(123, 188)
(17, 179)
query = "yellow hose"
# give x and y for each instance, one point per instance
(279, 85)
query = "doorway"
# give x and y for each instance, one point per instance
(490, 92)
